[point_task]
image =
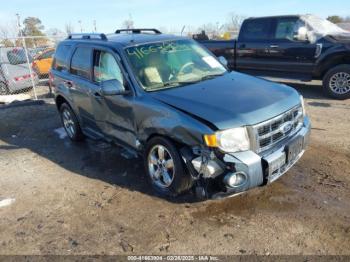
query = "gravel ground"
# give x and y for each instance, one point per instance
(64, 198)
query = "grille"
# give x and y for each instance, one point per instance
(271, 132)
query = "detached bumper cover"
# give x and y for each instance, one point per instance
(267, 167)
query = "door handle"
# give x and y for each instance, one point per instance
(69, 84)
(274, 46)
(97, 95)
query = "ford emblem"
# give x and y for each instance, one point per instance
(286, 127)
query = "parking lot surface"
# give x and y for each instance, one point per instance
(64, 198)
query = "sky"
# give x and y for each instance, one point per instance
(173, 15)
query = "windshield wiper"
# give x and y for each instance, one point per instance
(197, 80)
(212, 76)
(171, 84)
(164, 86)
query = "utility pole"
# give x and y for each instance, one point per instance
(81, 28)
(26, 53)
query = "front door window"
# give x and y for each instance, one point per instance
(106, 68)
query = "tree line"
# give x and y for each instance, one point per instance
(336, 19)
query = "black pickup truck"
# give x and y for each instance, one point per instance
(302, 47)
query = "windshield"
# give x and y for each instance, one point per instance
(322, 26)
(172, 63)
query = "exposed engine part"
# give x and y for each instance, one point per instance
(207, 167)
(187, 156)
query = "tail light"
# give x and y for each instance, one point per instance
(24, 77)
(51, 79)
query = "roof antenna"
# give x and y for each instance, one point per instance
(130, 25)
(95, 26)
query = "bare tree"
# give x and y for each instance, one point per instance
(163, 29)
(54, 32)
(213, 30)
(7, 33)
(128, 23)
(3, 32)
(68, 28)
(8, 30)
(235, 21)
(4, 37)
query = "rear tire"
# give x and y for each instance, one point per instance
(336, 82)
(165, 168)
(37, 71)
(70, 123)
(4, 90)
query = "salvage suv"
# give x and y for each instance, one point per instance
(197, 125)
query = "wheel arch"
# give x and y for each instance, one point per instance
(176, 142)
(332, 61)
(60, 100)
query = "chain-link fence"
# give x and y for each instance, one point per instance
(25, 63)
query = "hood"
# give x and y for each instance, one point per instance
(343, 38)
(231, 100)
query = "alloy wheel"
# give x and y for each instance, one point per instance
(340, 83)
(68, 123)
(161, 166)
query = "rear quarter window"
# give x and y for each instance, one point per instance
(60, 61)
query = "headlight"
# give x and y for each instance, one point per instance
(231, 140)
(302, 105)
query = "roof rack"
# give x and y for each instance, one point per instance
(88, 36)
(138, 30)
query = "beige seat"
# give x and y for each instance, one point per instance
(156, 72)
(152, 76)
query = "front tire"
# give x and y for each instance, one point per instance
(336, 82)
(70, 123)
(165, 168)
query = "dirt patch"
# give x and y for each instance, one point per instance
(87, 199)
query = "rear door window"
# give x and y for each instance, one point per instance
(60, 62)
(255, 30)
(81, 62)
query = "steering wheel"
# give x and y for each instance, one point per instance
(184, 67)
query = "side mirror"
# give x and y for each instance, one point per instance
(112, 87)
(223, 61)
(302, 34)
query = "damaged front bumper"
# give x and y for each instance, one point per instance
(234, 173)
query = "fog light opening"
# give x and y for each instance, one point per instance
(235, 179)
